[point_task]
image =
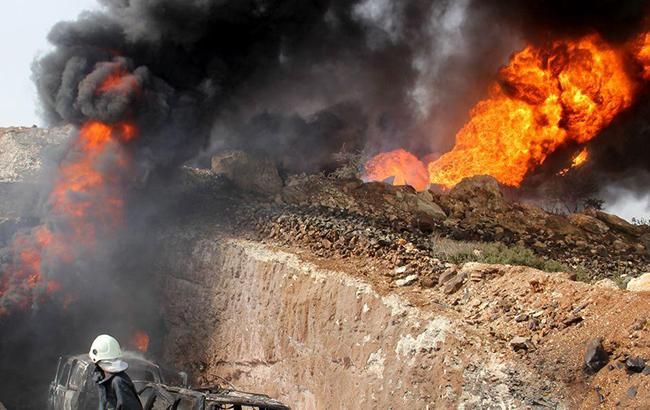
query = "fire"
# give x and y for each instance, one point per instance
(546, 97)
(118, 80)
(401, 165)
(140, 340)
(578, 160)
(642, 54)
(86, 201)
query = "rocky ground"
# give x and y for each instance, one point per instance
(344, 217)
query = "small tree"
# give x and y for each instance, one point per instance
(593, 203)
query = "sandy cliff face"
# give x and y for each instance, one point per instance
(27, 155)
(268, 321)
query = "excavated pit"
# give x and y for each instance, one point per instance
(265, 320)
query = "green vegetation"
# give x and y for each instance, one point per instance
(460, 252)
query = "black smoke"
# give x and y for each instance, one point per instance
(295, 79)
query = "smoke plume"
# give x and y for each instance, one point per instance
(296, 80)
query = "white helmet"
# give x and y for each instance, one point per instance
(105, 347)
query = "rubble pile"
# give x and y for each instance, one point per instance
(335, 217)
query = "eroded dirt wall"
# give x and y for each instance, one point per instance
(269, 322)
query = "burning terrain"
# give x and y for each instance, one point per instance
(444, 238)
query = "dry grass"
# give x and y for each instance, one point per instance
(460, 252)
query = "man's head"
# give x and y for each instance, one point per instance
(106, 353)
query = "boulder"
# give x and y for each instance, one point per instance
(589, 223)
(447, 275)
(295, 194)
(595, 356)
(430, 209)
(619, 224)
(248, 172)
(479, 192)
(640, 284)
(606, 284)
(635, 364)
(455, 283)
(520, 343)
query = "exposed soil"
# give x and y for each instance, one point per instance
(524, 329)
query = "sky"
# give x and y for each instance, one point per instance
(23, 37)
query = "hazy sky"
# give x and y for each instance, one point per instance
(23, 32)
(23, 36)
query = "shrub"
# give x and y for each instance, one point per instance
(460, 252)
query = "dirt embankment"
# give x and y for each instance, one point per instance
(318, 336)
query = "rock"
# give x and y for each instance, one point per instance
(589, 223)
(606, 284)
(248, 172)
(430, 209)
(447, 275)
(295, 194)
(454, 285)
(619, 224)
(595, 357)
(520, 343)
(572, 320)
(522, 317)
(479, 192)
(635, 364)
(646, 371)
(640, 284)
(645, 241)
(401, 270)
(428, 281)
(631, 392)
(539, 246)
(480, 271)
(407, 281)
(25, 151)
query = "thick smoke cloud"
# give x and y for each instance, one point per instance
(406, 64)
(206, 69)
(295, 79)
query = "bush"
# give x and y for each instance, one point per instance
(496, 253)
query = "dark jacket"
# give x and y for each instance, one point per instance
(117, 392)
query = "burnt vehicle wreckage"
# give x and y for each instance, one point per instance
(73, 388)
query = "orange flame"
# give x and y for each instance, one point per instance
(86, 200)
(641, 50)
(401, 165)
(580, 159)
(118, 80)
(545, 98)
(140, 340)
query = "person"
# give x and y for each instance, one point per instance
(116, 390)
